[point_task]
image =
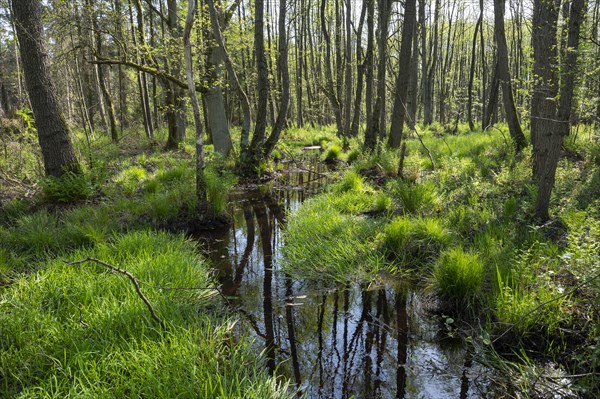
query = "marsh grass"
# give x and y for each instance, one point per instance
(333, 153)
(82, 331)
(413, 242)
(458, 276)
(414, 197)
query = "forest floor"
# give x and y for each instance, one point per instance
(461, 230)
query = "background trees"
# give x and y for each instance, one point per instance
(118, 64)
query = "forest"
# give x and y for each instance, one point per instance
(300, 199)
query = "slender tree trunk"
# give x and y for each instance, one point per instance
(400, 108)
(283, 71)
(232, 74)
(329, 90)
(189, 72)
(370, 134)
(255, 152)
(348, 77)
(429, 71)
(504, 75)
(472, 69)
(175, 94)
(103, 86)
(492, 99)
(53, 133)
(361, 67)
(569, 67)
(378, 115)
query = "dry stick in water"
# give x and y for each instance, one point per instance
(131, 277)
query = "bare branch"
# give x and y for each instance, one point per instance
(131, 277)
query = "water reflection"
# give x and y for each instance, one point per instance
(361, 341)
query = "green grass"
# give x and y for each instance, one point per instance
(413, 242)
(458, 276)
(79, 330)
(333, 153)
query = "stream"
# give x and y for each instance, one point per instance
(362, 341)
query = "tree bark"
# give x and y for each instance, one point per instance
(252, 158)
(283, 71)
(53, 133)
(472, 68)
(370, 134)
(189, 72)
(329, 89)
(546, 139)
(216, 27)
(400, 108)
(504, 75)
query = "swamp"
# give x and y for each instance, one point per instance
(299, 199)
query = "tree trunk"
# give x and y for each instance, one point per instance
(176, 95)
(492, 99)
(504, 75)
(472, 68)
(429, 71)
(102, 81)
(569, 67)
(189, 72)
(362, 64)
(329, 89)
(254, 155)
(232, 76)
(546, 139)
(283, 71)
(378, 116)
(400, 108)
(370, 134)
(53, 133)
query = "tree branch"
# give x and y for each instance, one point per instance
(149, 70)
(157, 11)
(131, 277)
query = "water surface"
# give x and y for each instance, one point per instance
(362, 341)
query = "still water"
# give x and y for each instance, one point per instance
(363, 341)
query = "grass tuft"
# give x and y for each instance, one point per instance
(458, 275)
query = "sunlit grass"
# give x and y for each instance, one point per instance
(81, 330)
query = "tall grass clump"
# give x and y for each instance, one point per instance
(415, 241)
(458, 275)
(326, 239)
(218, 187)
(351, 181)
(414, 197)
(81, 330)
(333, 153)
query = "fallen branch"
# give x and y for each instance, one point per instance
(131, 277)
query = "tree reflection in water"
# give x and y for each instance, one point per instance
(360, 340)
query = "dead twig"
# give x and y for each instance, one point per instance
(131, 277)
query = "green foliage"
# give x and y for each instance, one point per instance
(324, 244)
(353, 156)
(80, 330)
(351, 181)
(382, 202)
(333, 154)
(218, 187)
(384, 160)
(415, 241)
(414, 197)
(458, 275)
(70, 187)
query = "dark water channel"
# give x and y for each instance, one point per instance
(356, 341)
